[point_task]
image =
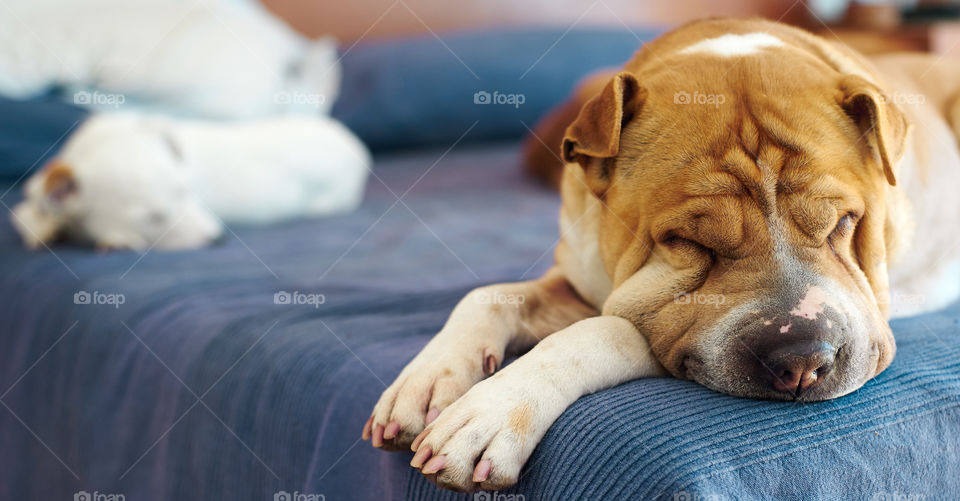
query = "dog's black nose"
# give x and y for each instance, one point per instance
(797, 367)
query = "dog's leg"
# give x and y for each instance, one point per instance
(485, 437)
(487, 324)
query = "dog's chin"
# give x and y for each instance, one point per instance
(191, 241)
(170, 240)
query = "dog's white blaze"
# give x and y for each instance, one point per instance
(734, 45)
(811, 305)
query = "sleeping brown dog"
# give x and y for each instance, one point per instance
(733, 202)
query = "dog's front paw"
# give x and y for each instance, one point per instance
(482, 440)
(438, 376)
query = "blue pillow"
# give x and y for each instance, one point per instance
(32, 131)
(421, 91)
(401, 92)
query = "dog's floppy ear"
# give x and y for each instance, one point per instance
(596, 131)
(880, 122)
(37, 218)
(58, 181)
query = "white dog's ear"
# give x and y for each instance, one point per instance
(38, 218)
(59, 182)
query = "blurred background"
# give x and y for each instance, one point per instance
(244, 366)
(399, 58)
(918, 24)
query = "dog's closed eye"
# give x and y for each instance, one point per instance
(845, 225)
(678, 243)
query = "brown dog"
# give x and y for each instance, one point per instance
(733, 200)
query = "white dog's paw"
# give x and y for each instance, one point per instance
(437, 377)
(482, 440)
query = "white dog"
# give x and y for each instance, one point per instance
(136, 182)
(133, 180)
(203, 59)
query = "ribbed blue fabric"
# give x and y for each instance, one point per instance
(670, 439)
(96, 398)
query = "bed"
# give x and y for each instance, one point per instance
(246, 370)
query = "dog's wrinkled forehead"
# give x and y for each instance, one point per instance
(746, 189)
(752, 170)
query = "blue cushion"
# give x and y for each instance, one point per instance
(404, 92)
(32, 131)
(109, 393)
(419, 91)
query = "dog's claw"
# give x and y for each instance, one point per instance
(391, 430)
(377, 439)
(434, 465)
(482, 472)
(367, 428)
(432, 415)
(417, 441)
(421, 456)
(490, 365)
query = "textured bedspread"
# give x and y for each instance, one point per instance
(246, 370)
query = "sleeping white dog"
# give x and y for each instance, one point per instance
(138, 182)
(133, 180)
(224, 59)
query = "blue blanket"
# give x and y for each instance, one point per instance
(218, 374)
